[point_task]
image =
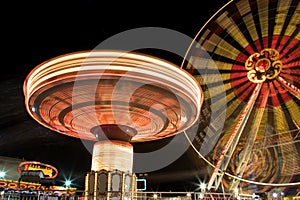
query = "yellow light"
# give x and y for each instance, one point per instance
(47, 171)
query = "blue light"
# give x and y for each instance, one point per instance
(2, 174)
(141, 184)
(68, 183)
(33, 109)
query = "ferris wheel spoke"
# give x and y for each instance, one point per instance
(290, 87)
(246, 153)
(231, 143)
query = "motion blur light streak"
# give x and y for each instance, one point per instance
(241, 28)
(87, 95)
(255, 45)
(65, 92)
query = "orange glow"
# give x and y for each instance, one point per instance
(74, 93)
(110, 155)
(48, 170)
(12, 184)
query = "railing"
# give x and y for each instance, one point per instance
(33, 196)
(191, 196)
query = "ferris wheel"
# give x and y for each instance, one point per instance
(246, 58)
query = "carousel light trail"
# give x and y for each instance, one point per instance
(114, 98)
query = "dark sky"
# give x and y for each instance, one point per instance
(33, 32)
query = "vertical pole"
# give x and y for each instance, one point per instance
(233, 140)
(246, 153)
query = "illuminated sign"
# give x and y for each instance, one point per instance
(48, 170)
(10, 184)
(15, 185)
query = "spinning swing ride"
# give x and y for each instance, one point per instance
(246, 60)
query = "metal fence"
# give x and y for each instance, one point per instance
(33, 196)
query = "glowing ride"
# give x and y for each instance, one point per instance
(113, 98)
(255, 48)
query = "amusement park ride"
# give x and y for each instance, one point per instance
(254, 48)
(242, 69)
(113, 98)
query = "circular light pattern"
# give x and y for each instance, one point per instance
(255, 46)
(74, 93)
(264, 65)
